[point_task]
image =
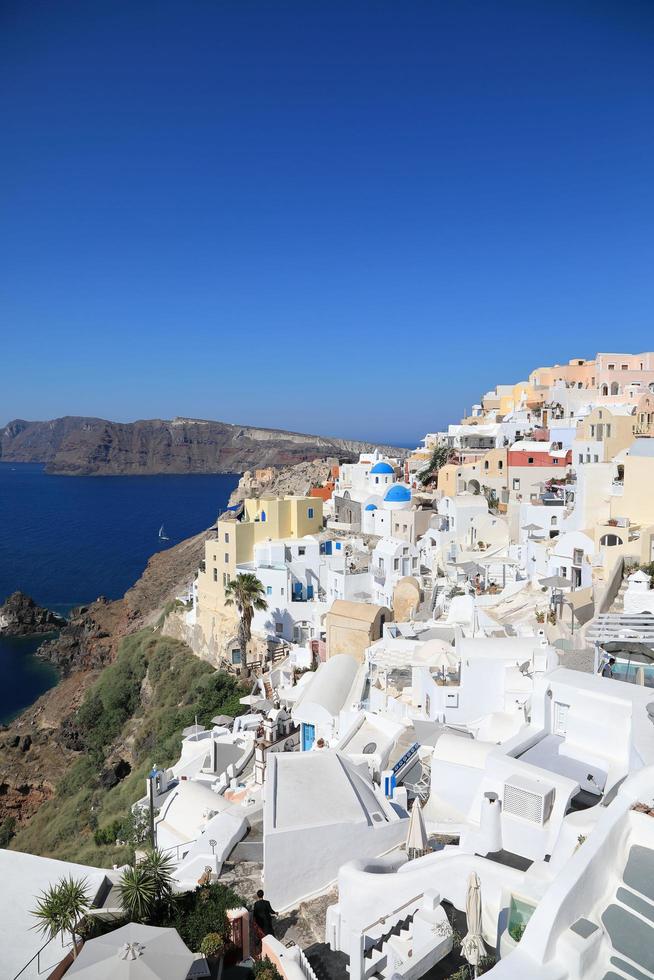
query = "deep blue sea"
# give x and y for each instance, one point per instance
(65, 540)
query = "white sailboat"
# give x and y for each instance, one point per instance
(162, 534)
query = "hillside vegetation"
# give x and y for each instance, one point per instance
(130, 718)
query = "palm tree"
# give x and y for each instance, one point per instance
(61, 908)
(440, 455)
(138, 892)
(246, 593)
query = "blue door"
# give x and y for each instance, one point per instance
(309, 591)
(308, 736)
(328, 547)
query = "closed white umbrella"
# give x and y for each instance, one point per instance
(472, 946)
(417, 842)
(640, 676)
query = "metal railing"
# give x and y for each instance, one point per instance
(37, 956)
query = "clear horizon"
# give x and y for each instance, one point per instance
(348, 219)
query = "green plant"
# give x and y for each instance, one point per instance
(199, 912)
(138, 893)
(516, 931)
(61, 908)
(246, 593)
(440, 455)
(213, 944)
(265, 969)
(7, 830)
(161, 869)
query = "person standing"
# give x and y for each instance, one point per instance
(607, 669)
(262, 913)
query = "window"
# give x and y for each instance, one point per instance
(281, 592)
(236, 656)
(624, 367)
(310, 513)
(592, 431)
(279, 628)
(608, 431)
(226, 537)
(596, 458)
(611, 367)
(486, 464)
(225, 578)
(338, 545)
(581, 457)
(396, 563)
(516, 484)
(530, 459)
(226, 556)
(577, 556)
(301, 552)
(215, 574)
(588, 457)
(500, 465)
(269, 590)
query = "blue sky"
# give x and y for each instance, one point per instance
(346, 217)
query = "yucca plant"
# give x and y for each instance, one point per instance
(161, 869)
(138, 893)
(61, 908)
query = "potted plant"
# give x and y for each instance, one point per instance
(213, 947)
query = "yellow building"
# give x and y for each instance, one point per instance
(608, 429)
(637, 500)
(265, 518)
(352, 626)
(489, 471)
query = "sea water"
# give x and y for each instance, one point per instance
(65, 540)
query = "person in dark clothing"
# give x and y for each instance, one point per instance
(607, 669)
(262, 913)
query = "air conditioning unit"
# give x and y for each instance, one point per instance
(528, 799)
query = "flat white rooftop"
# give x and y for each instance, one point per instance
(24, 877)
(314, 789)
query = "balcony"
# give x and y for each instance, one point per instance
(378, 574)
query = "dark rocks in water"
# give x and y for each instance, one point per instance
(20, 616)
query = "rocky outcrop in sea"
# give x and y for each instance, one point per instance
(20, 616)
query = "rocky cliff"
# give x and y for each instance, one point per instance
(36, 748)
(297, 480)
(76, 446)
(20, 616)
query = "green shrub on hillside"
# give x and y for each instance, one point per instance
(137, 708)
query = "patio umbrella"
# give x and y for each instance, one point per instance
(417, 842)
(444, 661)
(192, 730)
(556, 582)
(134, 952)
(472, 945)
(223, 720)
